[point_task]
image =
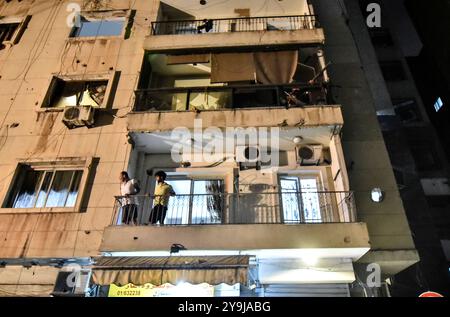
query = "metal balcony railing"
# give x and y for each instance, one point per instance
(306, 207)
(226, 25)
(230, 97)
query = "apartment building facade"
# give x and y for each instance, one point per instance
(261, 117)
(416, 151)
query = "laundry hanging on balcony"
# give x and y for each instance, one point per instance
(275, 67)
(270, 68)
(232, 67)
(160, 270)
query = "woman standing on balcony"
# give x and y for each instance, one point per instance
(163, 191)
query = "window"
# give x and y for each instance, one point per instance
(438, 104)
(407, 110)
(300, 199)
(198, 201)
(12, 29)
(90, 27)
(44, 188)
(381, 37)
(425, 157)
(392, 71)
(71, 91)
(7, 31)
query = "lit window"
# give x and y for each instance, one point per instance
(99, 27)
(300, 199)
(35, 188)
(64, 93)
(438, 105)
(198, 201)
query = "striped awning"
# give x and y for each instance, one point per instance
(174, 269)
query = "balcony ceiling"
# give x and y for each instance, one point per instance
(161, 142)
(222, 9)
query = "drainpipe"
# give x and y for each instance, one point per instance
(323, 66)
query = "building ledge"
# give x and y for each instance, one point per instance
(252, 117)
(236, 40)
(341, 239)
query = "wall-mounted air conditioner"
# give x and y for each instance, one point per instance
(248, 156)
(78, 116)
(310, 154)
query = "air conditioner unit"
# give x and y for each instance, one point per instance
(72, 283)
(248, 154)
(310, 154)
(78, 116)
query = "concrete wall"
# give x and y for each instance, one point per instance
(364, 149)
(238, 237)
(272, 117)
(181, 42)
(25, 73)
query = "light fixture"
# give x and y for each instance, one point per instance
(297, 140)
(377, 195)
(310, 260)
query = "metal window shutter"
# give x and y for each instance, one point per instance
(306, 290)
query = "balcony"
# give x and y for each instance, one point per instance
(240, 32)
(249, 208)
(230, 25)
(246, 221)
(230, 97)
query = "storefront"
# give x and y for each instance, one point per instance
(211, 276)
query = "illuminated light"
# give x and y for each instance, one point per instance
(310, 260)
(377, 195)
(438, 104)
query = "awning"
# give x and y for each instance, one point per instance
(175, 269)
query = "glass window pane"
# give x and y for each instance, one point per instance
(207, 203)
(25, 197)
(310, 199)
(290, 199)
(59, 189)
(89, 28)
(111, 28)
(73, 191)
(42, 196)
(178, 209)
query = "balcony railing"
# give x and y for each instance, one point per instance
(230, 97)
(245, 24)
(304, 207)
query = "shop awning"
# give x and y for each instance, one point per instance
(175, 269)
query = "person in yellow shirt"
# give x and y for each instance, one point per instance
(163, 191)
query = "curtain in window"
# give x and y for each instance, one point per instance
(37, 189)
(215, 199)
(25, 197)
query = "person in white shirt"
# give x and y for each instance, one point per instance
(129, 203)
